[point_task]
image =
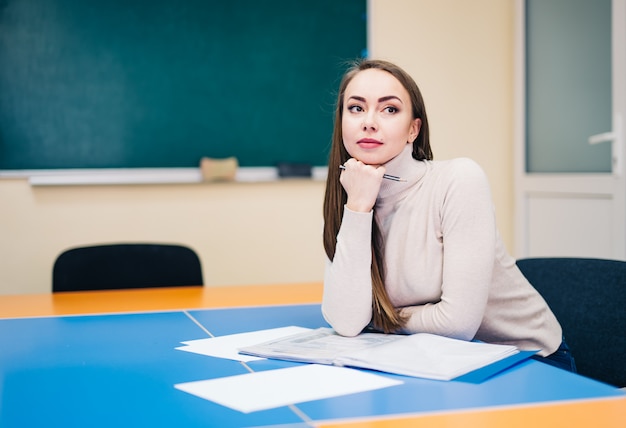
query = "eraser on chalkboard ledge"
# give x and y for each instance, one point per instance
(219, 169)
(289, 169)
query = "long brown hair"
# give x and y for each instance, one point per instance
(384, 316)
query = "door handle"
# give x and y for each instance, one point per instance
(602, 138)
(617, 146)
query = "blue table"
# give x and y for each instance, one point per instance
(119, 370)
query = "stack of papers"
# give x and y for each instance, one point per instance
(419, 355)
(269, 389)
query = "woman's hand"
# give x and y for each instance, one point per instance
(362, 184)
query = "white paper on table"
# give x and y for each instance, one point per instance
(227, 346)
(275, 388)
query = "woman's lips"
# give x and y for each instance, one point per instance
(369, 143)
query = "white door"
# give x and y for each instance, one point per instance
(570, 131)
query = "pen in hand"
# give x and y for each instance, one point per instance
(387, 176)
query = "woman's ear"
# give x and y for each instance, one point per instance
(414, 130)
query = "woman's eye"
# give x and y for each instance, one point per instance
(390, 109)
(355, 109)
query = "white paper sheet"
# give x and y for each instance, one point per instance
(275, 388)
(227, 346)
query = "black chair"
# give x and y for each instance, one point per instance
(588, 296)
(126, 265)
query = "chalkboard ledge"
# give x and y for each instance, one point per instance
(112, 176)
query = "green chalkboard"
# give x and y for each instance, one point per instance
(162, 83)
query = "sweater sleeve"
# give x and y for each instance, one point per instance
(468, 235)
(347, 297)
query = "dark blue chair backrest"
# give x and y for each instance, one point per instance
(128, 265)
(588, 296)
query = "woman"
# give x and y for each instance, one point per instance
(422, 254)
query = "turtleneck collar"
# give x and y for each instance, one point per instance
(405, 167)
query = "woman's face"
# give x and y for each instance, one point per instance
(377, 121)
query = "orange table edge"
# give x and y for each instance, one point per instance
(597, 413)
(157, 299)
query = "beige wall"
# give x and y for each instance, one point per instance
(461, 55)
(460, 52)
(245, 233)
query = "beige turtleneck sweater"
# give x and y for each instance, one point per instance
(445, 263)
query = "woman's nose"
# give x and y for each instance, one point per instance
(369, 123)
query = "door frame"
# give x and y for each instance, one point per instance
(611, 185)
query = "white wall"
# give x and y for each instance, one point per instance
(460, 52)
